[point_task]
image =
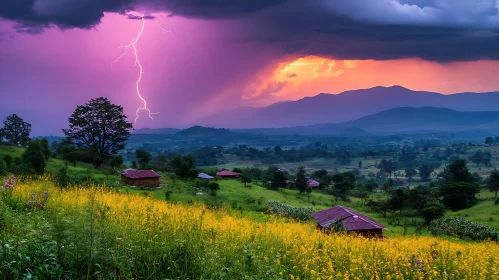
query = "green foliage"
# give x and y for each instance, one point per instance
(432, 209)
(388, 166)
(3, 167)
(457, 172)
(425, 171)
(301, 181)
(493, 181)
(322, 176)
(246, 177)
(459, 195)
(99, 126)
(463, 228)
(276, 177)
(183, 166)
(34, 156)
(343, 184)
(15, 130)
(143, 158)
(300, 213)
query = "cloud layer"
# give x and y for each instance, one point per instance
(438, 30)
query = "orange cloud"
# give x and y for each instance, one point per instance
(309, 76)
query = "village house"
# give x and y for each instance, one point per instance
(140, 178)
(228, 174)
(352, 221)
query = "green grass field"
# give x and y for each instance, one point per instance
(254, 198)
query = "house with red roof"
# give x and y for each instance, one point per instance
(140, 178)
(228, 174)
(350, 220)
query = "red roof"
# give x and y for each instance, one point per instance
(227, 173)
(350, 219)
(137, 174)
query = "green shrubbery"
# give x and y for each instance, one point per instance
(300, 213)
(463, 228)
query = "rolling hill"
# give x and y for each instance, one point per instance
(347, 106)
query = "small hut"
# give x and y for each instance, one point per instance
(351, 220)
(228, 174)
(140, 178)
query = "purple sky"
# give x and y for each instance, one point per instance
(55, 55)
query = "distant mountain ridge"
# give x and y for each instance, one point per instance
(399, 120)
(348, 106)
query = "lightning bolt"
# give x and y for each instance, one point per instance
(137, 62)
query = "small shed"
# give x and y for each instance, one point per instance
(204, 176)
(351, 220)
(228, 174)
(140, 178)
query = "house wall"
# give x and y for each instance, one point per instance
(141, 182)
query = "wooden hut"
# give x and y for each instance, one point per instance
(351, 220)
(140, 178)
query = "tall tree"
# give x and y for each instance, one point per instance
(493, 181)
(143, 158)
(409, 173)
(388, 166)
(425, 172)
(15, 130)
(343, 183)
(246, 177)
(460, 189)
(301, 181)
(183, 166)
(99, 126)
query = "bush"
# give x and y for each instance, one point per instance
(300, 213)
(463, 228)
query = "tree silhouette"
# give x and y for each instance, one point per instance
(15, 130)
(99, 126)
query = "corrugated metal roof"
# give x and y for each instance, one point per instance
(138, 174)
(350, 219)
(204, 176)
(313, 183)
(227, 173)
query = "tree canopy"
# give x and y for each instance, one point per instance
(15, 130)
(99, 126)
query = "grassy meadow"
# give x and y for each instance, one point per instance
(101, 233)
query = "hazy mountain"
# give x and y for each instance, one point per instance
(163, 131)
(347, 106)
(400, 120)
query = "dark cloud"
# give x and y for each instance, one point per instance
(35, 15)
(438, 30)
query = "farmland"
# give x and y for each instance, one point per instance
(98, 233)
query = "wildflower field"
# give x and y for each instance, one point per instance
(98, 233)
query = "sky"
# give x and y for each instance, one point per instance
(200, 57)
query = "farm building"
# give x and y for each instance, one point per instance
(204, 176)
(141, 178)
(351, 220)
(228, 174)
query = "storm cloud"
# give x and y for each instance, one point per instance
(436, 30)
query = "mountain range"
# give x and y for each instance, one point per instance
(348, 106)
(399, 120)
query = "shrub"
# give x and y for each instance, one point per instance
(300, 213)
(463, 228)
